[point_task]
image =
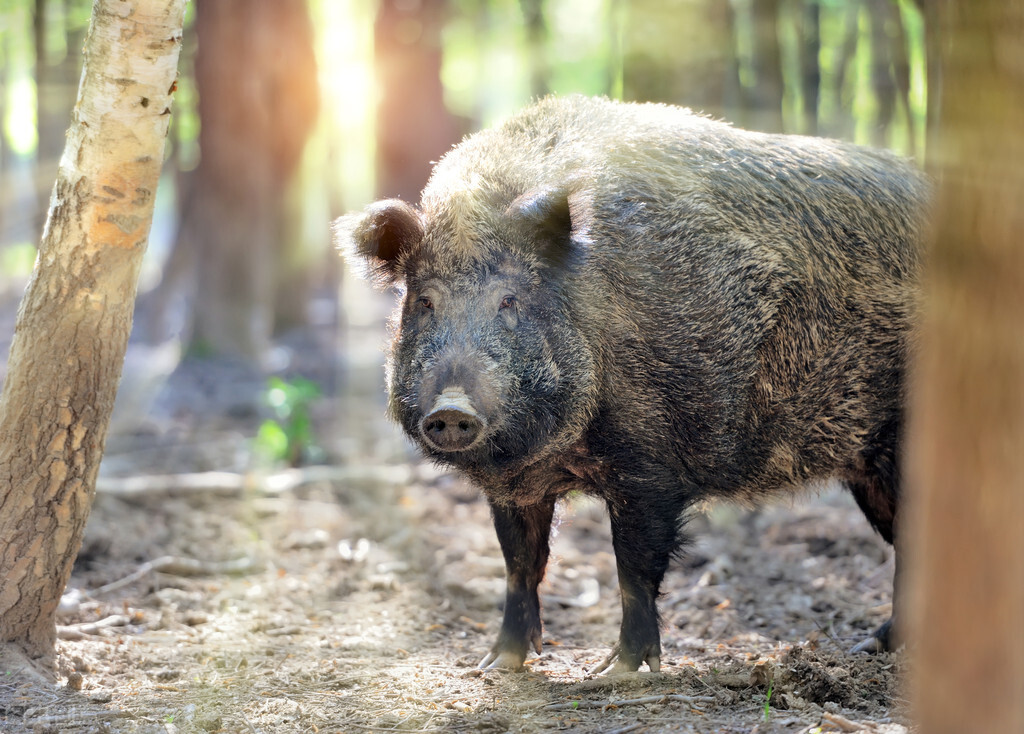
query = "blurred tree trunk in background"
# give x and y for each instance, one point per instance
(809, 34)
(76, 315)
(765, 95)
(966, 438)
(56, 85)
(258, 99)
(414, 127)
(900, 71)
(882, 82)
(890, 68)
(680, 52)
(846, 72)
(536, 42)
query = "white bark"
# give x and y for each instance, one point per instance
(75, 317)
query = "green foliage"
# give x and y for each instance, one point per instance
(17, 82)
(768, 701)
(288, 438)
(17, 261)
(489, 56)
(200, 349)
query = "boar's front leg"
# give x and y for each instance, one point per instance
(523, 533)
(644, 538)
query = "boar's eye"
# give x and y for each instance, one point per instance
(508, 302)
(425, 303)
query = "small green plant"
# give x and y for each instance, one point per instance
(768, 700)
(288, 436)
(18, 260)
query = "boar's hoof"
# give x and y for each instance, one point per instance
(451, 429)
(615, 663)
(502, 660)
(869, 646)
(881, 640)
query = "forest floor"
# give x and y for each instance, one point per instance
(359, 596)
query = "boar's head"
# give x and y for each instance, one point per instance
(490, 366)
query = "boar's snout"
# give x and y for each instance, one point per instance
(452, 424)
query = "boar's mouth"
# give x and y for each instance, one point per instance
(453, 424)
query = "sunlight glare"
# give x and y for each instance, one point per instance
(20, 125)
(349, 91)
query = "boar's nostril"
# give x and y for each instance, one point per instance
(450, 429)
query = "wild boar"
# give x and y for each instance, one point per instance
(641, 303)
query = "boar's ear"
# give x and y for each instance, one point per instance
(377, 240)
(556, 220)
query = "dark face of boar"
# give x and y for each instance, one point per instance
(486, 369)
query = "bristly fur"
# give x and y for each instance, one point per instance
(376, 240)
(658, 308)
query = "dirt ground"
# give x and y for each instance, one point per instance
(359, 595)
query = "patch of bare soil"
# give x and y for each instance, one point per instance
(360, 597)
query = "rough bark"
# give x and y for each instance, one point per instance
(73, 323)
(966, 442)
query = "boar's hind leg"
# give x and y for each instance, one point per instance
(879, 501)
(644, 538)
(523, 533)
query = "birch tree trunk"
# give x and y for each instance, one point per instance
(966, 438)
(74, 320)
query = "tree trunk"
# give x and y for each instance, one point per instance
(966, 439)
(680, 52)
(766, 95)
(844, 62)
(809, 25)
(56, 85)
(901, 76)
(883, 15)
(413, 125)
(256, 76)
(74, 320)
(537, 42)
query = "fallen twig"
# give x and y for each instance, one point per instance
(214, 482)
(86, 629)
(845, 724)
(732, 680)
(663, 698)
(77, 717)
(222, 483)
(640, 680)
(179, 566)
